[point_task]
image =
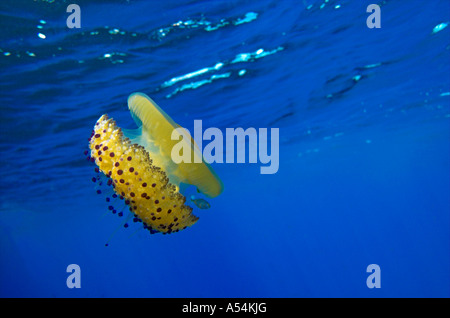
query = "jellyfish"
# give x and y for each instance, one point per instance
(140, 169)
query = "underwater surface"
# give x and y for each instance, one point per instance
(363, 117)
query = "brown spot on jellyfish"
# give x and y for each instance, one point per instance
(147, 151)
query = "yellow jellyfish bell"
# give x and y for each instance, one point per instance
(155, 130)
(141, 169)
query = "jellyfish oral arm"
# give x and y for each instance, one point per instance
(134, 177)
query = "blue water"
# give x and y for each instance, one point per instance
(363, 116)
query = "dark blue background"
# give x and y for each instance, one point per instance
(364, 161)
